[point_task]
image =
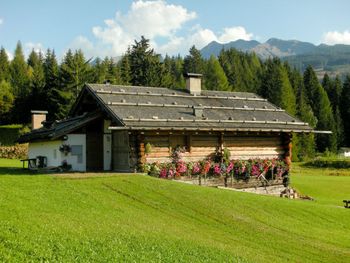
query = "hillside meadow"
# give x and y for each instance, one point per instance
(135, 218)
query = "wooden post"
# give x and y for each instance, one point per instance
(287, 142)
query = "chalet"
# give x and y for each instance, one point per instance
(109, 126)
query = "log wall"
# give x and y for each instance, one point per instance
(249, 147)
(202, 146)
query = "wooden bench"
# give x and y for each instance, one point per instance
(346, 203)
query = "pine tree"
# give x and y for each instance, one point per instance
(276, 86)
(215, 78)
(75, 71)
(6, 101)
(125, 71)
(193, 63)
(345, 109)
(4, 65)
(321, 106)
(177, 72)
(145, 66)
(54, 98)
(36, 82)
(19, 73)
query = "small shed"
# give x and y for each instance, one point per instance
(109, 126)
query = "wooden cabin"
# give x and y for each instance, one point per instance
(109, 127)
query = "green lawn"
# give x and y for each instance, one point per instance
(135, 218)
(327, 186)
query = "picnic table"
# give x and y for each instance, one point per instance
(31, 163)
(34, 163)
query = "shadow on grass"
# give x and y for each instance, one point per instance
(16, 171)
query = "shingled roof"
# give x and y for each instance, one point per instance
(149, 108)
(57, 129)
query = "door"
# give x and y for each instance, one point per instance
(121, 151)
(107, 152)
(94, 151)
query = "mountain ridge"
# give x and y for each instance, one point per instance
(333, 59)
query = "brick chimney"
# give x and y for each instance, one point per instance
(193, 83)
(38, 117)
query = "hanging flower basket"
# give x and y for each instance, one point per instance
(65, 148)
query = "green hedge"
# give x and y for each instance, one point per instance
(10, 133)
(329, 163)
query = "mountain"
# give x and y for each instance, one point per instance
(324, 58)
(214, 48)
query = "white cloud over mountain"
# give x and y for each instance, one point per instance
(335, 37)
(162, 23)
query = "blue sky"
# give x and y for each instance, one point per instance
(107, 27)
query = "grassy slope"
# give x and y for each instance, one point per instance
(327, 186)
(138, 218)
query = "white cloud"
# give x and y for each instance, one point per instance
(9, 54)
(335, 37)
(155, 20)
(29, 46)
(1, 21)
(234, 33)
(151, 19)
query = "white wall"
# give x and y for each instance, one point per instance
(50, 149)
(76, 140)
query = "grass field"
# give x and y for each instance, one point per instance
(135, 218)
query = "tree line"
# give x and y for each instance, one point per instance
(40, 82)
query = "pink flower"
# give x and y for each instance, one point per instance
(171, 173)
(163, 173)
(217, 169)
(229, 167)
(196, 169)
(181, 167)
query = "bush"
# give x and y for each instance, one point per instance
(18, 151)
(10, 133)
(329, 163)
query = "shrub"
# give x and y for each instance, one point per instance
(10, 133)
(18, 151)
(329, 163)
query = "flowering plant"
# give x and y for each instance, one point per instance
(217, 169)
(181, 168)
(196, 169)
(206, 167)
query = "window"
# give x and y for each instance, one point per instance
(180, 140)
(77, 150)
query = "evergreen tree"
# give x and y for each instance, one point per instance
(276, 86)
(4, 65)
(242, 70)
(215, 78)
(345, 109)
(100, 71)
(177, 72)
(321, 106)
(75, 71)
(19, 73)
(6, 101)
(145, 66)
(193, 63)
(125, 71)
(37, 82)
(52, 89)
